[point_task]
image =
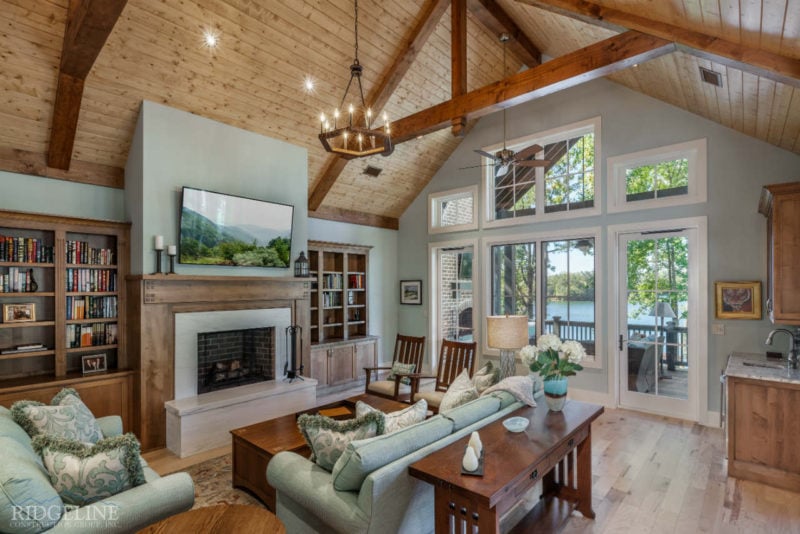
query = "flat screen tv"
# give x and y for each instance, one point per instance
(219, 229)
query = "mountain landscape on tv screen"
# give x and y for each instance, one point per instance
(205, 242)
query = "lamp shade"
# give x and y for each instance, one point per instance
(507, 331)
(662, 309)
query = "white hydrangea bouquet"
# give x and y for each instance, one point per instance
(552, 358)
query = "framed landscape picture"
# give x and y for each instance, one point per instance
(737, 300)
(410, 291)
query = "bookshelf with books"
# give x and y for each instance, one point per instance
(61, 299)
(341, 344)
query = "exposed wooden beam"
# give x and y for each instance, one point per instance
(458, 58)
(89, 23)
(759, 62)
(354, 217)
(431, 13)
(594, 61)
(25, 162)
(496, 21)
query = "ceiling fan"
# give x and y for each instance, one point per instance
(505, 159)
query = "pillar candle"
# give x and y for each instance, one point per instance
(172, 250)
(159, 242)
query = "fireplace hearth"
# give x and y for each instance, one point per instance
(232, 358)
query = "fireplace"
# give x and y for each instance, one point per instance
(233, 358)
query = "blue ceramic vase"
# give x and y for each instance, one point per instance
(555, 393)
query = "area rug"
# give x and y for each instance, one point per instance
(212, 484)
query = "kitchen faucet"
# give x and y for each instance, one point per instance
(794, 344)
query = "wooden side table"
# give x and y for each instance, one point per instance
(220, 519)
(513, 464)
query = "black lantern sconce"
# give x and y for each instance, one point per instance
(301, 266)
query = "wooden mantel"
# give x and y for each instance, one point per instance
(153, 301)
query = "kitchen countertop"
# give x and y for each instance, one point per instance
(777, 372)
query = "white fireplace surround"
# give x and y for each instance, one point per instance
(188, 325)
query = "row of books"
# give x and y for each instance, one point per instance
(81, 252)
(25, 249)
(332, 281)
(331, 299)
(91, 307)
(91, 335)
(91, 280)
(355, 281)
(16, 281)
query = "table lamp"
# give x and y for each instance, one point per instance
(509, 333)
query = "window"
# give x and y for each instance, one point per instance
(564, 186)
(562, 287)
(664, 176)
(453, 211)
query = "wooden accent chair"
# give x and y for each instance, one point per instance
(408, 350)
(454, 357)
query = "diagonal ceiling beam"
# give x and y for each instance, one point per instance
(89, 23)
(496, 21)
(759, 62)
(458, 58)
(431, 13)
(595, 61)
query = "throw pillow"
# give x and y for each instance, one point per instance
(69, 418)
(328, 437)
(459, 392)
(84, 473)
(403, 369)
(521, 387)
(399, 419)
(486, 376)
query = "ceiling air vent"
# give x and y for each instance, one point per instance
(710, 76)
(369, 170)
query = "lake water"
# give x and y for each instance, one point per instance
(583, 311)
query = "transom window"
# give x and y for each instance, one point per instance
(454, 210)
(664, 176)
(567, 282)
(564, 183)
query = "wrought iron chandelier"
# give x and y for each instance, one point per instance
(353, 136)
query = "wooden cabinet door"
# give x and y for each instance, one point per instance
(365, 357)
(786, 258)
(319, 366)
(340, 365)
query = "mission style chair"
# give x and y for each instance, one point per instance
(407, 350)
(455, 356)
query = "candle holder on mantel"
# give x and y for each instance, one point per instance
(159, 248)
(172, 252)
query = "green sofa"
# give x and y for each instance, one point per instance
(29, 504)
(372, 491)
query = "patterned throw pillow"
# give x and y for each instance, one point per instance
(328, 437)
(459, 392)
(68, 418)
(403, 369)
(486, 376)
(399, 419)
(519, 386)
(83, 473)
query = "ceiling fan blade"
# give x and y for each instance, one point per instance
(533, 163)
(525, 153)
(485, 154)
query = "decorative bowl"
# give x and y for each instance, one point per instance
(516, 424)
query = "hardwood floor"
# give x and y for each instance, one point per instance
(651, 474)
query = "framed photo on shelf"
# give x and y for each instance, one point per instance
(737, 300)
(19, 313)
(94, 363)
(410, 291)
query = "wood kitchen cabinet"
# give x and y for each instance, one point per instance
(780, 203)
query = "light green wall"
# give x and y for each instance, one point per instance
(174, 148)
(738, 166)
(382, 275)
(22, 192)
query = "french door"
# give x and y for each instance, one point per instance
(659, 321)
(452, 296)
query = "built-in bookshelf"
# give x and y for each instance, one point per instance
(338, 291)
(62, 298)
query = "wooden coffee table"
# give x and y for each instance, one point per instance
(220, 519)
(513, 464)
(255, 445)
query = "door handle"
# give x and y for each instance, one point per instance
(621, 341)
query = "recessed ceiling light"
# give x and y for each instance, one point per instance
(210, 38)
(308, 83)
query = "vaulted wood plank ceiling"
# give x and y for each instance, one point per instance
(254, 80)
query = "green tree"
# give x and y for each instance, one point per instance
(658, 271)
